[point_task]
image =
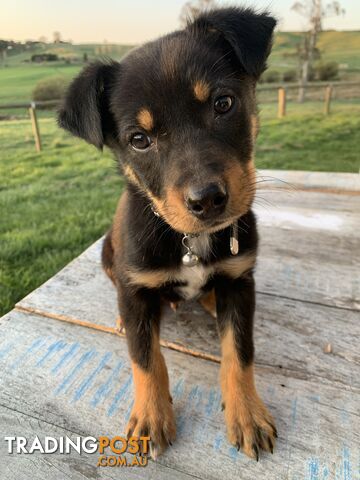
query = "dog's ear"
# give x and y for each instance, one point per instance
(248, 33)
(85, 110)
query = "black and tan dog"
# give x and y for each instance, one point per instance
(180, 115)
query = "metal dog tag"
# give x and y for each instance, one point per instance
(190, 259)
(234, 240)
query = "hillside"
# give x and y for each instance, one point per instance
(340, 47)
(18, 75)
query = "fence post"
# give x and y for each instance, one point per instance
(35, 126)
(282, 102)
(328, 95)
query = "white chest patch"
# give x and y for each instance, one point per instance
(197, 276)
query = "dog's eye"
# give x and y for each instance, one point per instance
(140, 141)
(223, 104)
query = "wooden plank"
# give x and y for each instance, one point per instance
(57, 466)
(78, 380)
(76, 289)
(318, 268)
(292, 327)
(269, 198)
(336, 182)
(297, 333)
(290, 336)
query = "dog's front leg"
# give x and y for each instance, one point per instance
(152, 414)
(249, 424)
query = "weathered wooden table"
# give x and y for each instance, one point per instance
(65, 369)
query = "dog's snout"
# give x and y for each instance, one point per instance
(206, 202)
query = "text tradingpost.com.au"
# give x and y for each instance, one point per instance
(111, 450)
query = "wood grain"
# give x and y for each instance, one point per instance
(78, 380)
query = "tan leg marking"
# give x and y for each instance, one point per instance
(152, 413)
(208, 302)
(249, 424)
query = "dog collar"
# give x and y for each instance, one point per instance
(190, 259)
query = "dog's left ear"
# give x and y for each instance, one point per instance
(248, 33)
(85, 111)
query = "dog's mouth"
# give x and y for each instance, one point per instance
(208, 207)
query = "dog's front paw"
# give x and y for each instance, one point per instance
(154, 418)
(249, 424)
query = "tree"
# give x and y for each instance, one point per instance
(314, 12)
(192, 9)
(57, 37)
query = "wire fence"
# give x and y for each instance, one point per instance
(282, 94)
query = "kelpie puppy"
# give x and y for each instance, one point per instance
(179, 113)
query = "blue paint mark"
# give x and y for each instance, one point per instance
(67, 356)
(88, 381)
(6, 349)
(344, 416)
(313, 469)
(195, 396)
(128, 411)
(106, 387)
(36, 345)
(346, 463)
(218, 441)
(314, 398)
(326, 473)
(118, 396)
(52, 349)
(193, 403)
(83, 360)
(233, 453)
(210, 403)
(180, 424)
(178, 390)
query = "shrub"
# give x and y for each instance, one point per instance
(52, 88)
(44, 57)
(271, 76)
(327, 71)
(290, 76)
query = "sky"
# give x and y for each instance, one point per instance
(132, 21)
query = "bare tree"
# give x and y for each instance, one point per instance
(314, 12)
(193, 8)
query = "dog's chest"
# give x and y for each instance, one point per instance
(196, 277)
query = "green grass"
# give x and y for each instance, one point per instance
(56, 203)
(340, 47)
(18, 79)
(18, 82)
(307, 140)
(53, 204)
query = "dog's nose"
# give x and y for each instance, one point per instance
(206, 202)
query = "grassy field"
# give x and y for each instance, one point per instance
(52, 204)
(340, 47)
(56, 203)
(18, 79)
(18, 82)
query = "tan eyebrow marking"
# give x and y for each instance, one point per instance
(145, 119)
(201, 90)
